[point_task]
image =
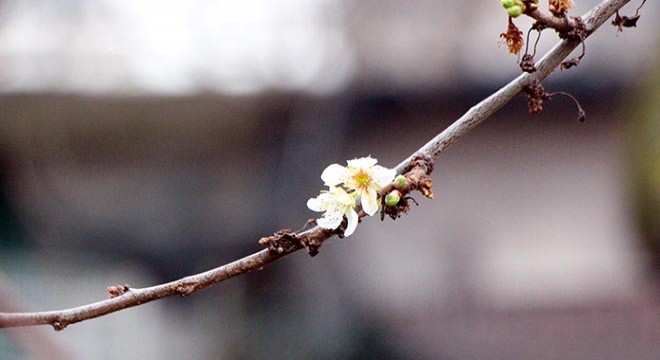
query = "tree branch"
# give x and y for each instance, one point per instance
(592, 20)
(556, 23)
(285, 242)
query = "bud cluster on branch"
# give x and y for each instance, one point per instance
(567, 27)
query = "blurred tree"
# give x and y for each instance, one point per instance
(10, 231)
(644, 144)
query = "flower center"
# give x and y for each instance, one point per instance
(362, 179)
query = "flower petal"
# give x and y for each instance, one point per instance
(330, 220)
(352, 218)
(314, 204)
(364, 162)
(370, 201)
(341, 197)
(383, 175)
(333, 175)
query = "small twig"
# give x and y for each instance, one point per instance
(527, 42)
(579, 33)
(582, 115)
(539, 28)
(127, 297)
(527, 62)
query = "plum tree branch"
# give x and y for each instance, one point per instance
(284, 243)
(592, 20)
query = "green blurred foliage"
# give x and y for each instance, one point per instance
(643, 132)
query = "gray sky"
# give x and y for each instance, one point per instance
(181, 47)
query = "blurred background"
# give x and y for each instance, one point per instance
(141, 142)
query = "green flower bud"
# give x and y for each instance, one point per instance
(392, 198)
(400, 181)
(514, 11)
(508, 3)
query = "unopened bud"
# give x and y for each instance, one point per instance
(514, 11)
(400, 181)
(392, 198)
(508, 3)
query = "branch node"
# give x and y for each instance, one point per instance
(421, 161)
(416, 174)
(578, 33)
(285, 240)
(185, 288)
(118, 290)
(58, 325)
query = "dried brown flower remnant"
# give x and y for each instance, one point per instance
(559, 8)
(513, 38)
(535, 96)
(627, 21)
(624, 21)
(394, 212)
(527, 63)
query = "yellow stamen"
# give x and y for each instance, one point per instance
(362, 179)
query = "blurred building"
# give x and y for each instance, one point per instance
(145, 142)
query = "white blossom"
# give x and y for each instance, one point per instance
(362, 178)
(335, 203)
